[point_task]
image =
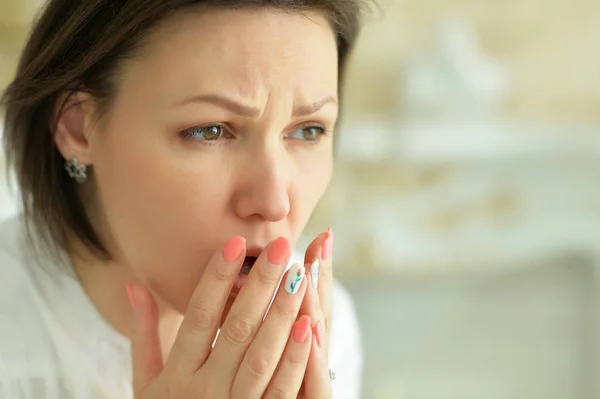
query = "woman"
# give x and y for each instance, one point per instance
(169, 153)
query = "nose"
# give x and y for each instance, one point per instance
(264, 187)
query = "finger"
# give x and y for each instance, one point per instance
(317, 384)
(319, 257)
(288, 378)
(326, 282)
(314, 251)
(263, 355)
(201, 322)
(146, 353)
(248, 309)
(316, 381)
(317, 304)
(311, 305)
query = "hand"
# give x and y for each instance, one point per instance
(317, 305)
(250, 358)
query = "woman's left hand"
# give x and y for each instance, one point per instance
(317, 305)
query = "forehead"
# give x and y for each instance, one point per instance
(245, 51)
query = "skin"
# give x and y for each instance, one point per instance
(164, 202)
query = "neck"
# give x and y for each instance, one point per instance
(104, 282)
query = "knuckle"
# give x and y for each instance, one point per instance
(296, 358)
(222, 274)
(325, 272)
(277, 393)
(268, 278)
(327, 324)
(200, 319)
(258, 364)
(237, 330)
(284, 309)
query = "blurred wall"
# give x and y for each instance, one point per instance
(551, 49)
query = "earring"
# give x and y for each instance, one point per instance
(76, 170)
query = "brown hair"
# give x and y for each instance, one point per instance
(78, 44)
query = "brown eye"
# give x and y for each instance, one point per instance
(310, 133)
(206, 133)
(212, 132)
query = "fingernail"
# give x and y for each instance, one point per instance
(327, 245)
(234, 248)
(278, 251)
(301, 329)
(318, 331)
(129, 287)
(294, 279)
(314, 273)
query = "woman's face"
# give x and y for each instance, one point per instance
(222, 125)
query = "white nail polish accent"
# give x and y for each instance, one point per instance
(314, 273)
(294, 279)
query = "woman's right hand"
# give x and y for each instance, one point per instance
(251, 358)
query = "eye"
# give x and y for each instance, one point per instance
(206, 133)
(309, 133)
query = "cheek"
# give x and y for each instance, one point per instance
(156, 210)
(309, 185)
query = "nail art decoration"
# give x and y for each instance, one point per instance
(314, 273)
(294, 278)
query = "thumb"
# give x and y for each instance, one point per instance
(146, 353)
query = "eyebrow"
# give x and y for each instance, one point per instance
(252, 112)
(313, 108)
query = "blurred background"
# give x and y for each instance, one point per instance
(466, 202)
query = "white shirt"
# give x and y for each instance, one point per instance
(55, 345)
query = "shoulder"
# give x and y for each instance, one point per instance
(345, 330)
(343, 304)
(23, 331)
(13, 283)
(11, 235)
(11, 263)
(345, 347)
(345, 320)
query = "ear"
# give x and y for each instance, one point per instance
(74, 125)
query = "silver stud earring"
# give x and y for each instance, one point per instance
(76, 170)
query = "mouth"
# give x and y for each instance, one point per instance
(252, 254)
(249, 262)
